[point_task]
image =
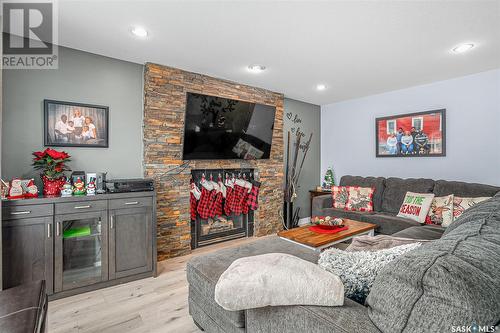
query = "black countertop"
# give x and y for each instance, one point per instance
(75, 198)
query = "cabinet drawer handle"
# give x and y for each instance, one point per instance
(83, 207)
(21, 213)
(132, 203)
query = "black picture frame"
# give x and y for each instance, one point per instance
(424, 152)
(79, 136)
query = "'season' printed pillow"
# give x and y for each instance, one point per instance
(340, 196)
(441, 211)
(360, 199)
(416, 206)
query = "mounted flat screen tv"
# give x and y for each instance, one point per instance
(221, 128)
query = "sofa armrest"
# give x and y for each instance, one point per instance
(320, 202)
(351, 317)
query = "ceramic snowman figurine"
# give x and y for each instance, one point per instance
(67, 189)
(91, 188)
(79, 187)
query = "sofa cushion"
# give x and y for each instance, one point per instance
(24, 308)
(351, 317)
(375, 182)
(429, 232)
(276, 279)
(461, 189)
(321, 202)
(396, 188)
(389, 224)
(447, 282)
(203, 271)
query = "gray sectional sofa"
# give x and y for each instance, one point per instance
(388, 197)
(451, 281)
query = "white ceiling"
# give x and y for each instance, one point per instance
(356, 48)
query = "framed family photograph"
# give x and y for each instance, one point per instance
(69, 124)
(420, 134)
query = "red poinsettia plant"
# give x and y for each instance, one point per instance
(51, 162)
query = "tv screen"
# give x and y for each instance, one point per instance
(221, 128)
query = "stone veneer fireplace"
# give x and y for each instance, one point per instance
(164, 108)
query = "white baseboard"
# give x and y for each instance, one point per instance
(304, 221)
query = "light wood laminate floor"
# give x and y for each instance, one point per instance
(148, 305)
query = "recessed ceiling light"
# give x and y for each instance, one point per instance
(140, 32)
(463, 48)
(320, 87)
(256, 68)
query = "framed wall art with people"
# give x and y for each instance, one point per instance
(419, 134)
(68, 124)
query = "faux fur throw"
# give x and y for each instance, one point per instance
(358, 270)
(275, 279)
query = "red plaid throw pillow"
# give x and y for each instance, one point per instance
(360, 199)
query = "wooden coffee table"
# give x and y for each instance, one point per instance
(317, 242)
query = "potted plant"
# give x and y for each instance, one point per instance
(53, 165)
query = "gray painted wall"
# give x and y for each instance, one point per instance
(472, 106)
(82, 77)
(305, 117)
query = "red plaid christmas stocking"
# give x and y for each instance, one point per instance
(229, 198)
(217, 204)
(192, 205)
(244, 203)
(204, 204)
(211, 204)
(216, 209)
(253, 196)
(237, 201)
(195, 194)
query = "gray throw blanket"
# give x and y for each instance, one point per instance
(379, 242)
